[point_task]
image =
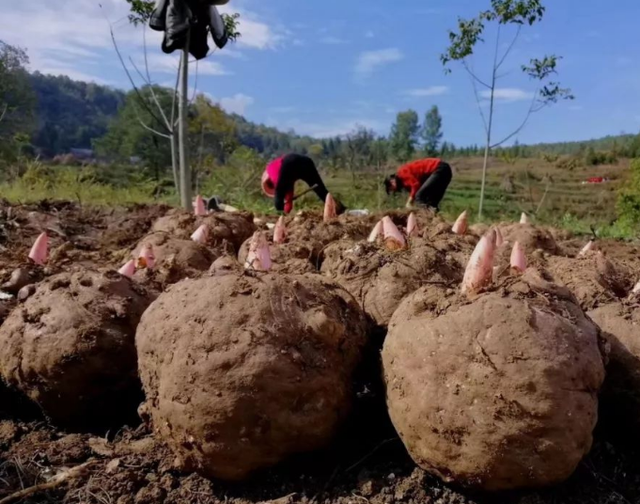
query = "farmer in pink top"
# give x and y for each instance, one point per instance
(281, 175)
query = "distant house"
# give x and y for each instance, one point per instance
(82, 154)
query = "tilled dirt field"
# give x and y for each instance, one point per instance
(127, 461)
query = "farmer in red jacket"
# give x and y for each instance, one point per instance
(426, 180)
(281, 175)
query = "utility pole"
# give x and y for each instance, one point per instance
(185, 170)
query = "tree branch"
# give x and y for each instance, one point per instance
(4, 111)
(146, 59)
(195, 85)
(475, 92)
(149, 128)
(532, 109)
(124, 66)
(174, 121)
(513, 42)
(153, 95)
(474, 76)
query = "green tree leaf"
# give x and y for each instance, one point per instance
(432, 131)
(404, 135)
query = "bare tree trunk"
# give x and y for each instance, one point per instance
(486, 162)
(489, 125)
(185, 172)
(174, 161)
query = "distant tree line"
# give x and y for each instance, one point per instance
(48, 116)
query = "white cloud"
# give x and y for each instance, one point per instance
(229, 53)
(339, 127)
(369, 61)
(169, 64)
(73, 74)
(255, 33)
(430, 91)
(330, 40)
(369, 34)
(208, 67)
(72, 37)
(237, 104)
(66, 36)
(507, 94)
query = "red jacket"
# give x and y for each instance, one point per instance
(273, 174)
(413, 174)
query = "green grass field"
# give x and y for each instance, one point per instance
(549, 194)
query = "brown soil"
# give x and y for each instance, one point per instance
(380, 279)
(594, 279)
(70, 348)
(281, 253)
(530, 237)
(620, 399)
(311, 232)
(133, 467)
(176, 259)
(499, 393)
(229, 264)
(79, 235)
(277, 354)
(224, 228)
(366, 463)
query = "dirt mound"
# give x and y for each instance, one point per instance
(21, 277)
(379, 279)
(229, 264)
(71, 349)
(176, 258)
(281, 253)
(224, 227)
(593, 278)
(310, 231)
(530, 237)
(79, 235)
(626, 255)
(620, 398)
(457, 249)
(496, 394)
(478, 229)
(125, 226)
(295, 267)
(6, 305)
(226, 265)
(251, 369)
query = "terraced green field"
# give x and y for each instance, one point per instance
(534, 186)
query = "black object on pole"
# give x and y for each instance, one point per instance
(188, 23)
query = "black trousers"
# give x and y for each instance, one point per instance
(434, 188)
(296, 167)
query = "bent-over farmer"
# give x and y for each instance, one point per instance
(426, 180)
(281, 175)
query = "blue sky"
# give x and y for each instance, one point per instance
(323, 67)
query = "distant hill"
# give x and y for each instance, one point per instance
(608, 143)
(72, 114)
